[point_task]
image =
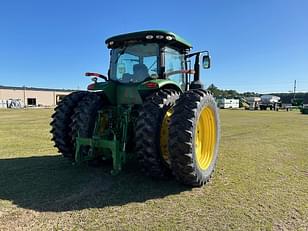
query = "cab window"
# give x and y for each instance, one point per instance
(174, 66)
(134, 63)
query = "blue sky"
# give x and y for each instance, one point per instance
(259, 45)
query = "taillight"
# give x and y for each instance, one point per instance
(151, 85)
(91, 86)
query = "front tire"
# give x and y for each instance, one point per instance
(194, 137)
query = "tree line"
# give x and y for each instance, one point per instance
(285, 97)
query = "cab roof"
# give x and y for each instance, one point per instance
(147, 36)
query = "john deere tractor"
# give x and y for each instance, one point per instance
(151, 104)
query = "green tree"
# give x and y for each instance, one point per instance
(215, 91)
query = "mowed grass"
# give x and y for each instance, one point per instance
(260, 183)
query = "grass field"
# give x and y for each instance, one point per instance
(261, 181)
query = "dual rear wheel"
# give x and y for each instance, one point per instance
(179, 135)
(75, 114)
(152, 129)
(175, 134)
(61, 119)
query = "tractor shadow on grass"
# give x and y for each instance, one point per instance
(51, 183)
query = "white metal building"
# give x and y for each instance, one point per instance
(30, 96)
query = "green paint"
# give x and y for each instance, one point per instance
(128, 94)
(109, 89)
(179, 41)
(101, 144)
(162, 83)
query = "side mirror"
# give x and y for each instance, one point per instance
(206, 61)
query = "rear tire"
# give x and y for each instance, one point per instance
(61, 120)
(152, 152)
(84, 117)
(194, 137)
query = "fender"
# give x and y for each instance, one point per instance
(155, 84)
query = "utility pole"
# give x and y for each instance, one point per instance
(294, 89)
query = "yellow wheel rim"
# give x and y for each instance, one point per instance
(164, 135)
(205, 138)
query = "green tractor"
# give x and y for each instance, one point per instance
(152, 104)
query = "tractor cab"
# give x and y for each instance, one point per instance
(146, 55)
(149, 55)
